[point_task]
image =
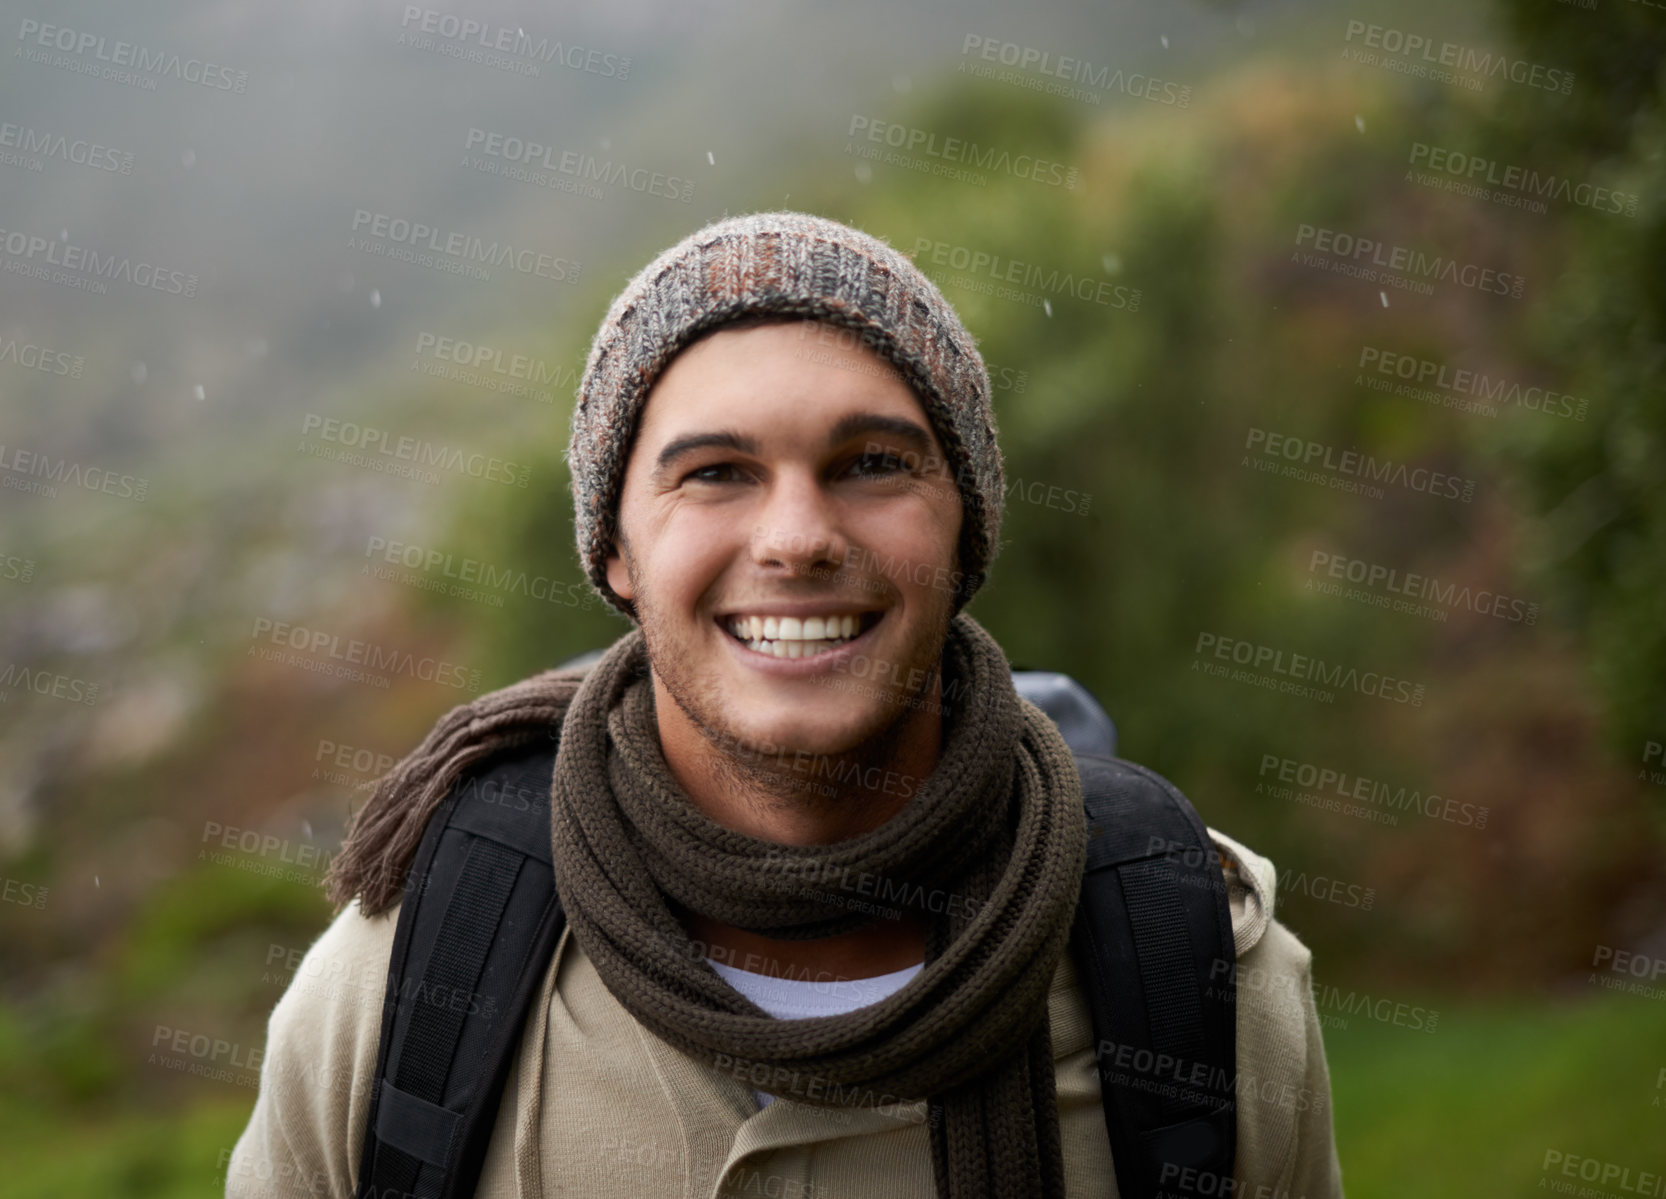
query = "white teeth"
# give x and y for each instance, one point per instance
(792, 637)
(790, 628)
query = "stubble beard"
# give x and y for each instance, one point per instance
(780, 777)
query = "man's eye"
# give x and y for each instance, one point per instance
(718, 472)
(884, 463)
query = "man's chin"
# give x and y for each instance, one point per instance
(787, 740)
(833, 714)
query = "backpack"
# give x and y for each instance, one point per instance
(1152, 944)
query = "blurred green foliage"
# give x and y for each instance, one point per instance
(1145, 413)
(1599, 489)
(1475, 1108)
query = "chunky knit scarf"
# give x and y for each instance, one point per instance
(989, 849)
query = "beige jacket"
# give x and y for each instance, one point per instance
(597, 1106)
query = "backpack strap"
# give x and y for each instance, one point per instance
(477, 929)
(1152, 944)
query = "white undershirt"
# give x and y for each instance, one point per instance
(798, 999)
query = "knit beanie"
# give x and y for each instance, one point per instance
(796, 266)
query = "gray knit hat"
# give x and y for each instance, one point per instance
(794, 265)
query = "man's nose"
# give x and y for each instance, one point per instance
(799, 527)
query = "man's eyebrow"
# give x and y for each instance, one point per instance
(850, 426)
(874, 422)
(723, 438)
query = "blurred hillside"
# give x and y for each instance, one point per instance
(173, 833)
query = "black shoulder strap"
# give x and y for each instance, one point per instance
(477, 929)
(1152, 943)
(481, 918)
(1153, 947)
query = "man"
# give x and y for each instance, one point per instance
(785, 472)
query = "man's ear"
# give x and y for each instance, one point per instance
(618, 575)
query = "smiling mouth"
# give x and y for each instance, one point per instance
(791, 637)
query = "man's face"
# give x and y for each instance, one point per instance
(783, 475)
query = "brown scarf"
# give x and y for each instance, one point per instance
(990, 848)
